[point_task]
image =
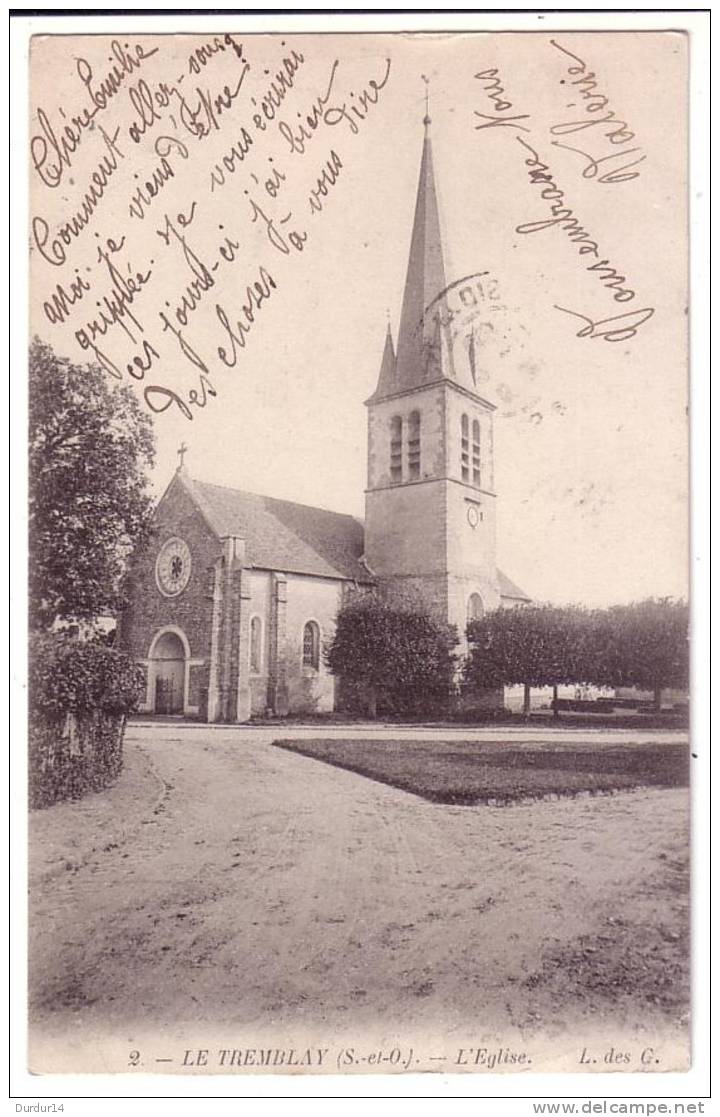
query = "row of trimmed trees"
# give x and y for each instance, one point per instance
(643, 645)
(406, 660)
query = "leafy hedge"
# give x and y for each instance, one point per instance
(392, 658)
(80, 696)
(67, 674)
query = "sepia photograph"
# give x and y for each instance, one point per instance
(358, 551)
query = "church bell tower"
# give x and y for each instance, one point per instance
(430, 500)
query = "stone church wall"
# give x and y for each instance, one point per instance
(149, 611)
(405, 529)
(310, 599)
(471, 550)
(260, 606)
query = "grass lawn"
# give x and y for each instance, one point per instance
(467, 772)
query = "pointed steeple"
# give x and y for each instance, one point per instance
(422, 350)
(386, 379)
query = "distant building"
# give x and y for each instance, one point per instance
(229, 614)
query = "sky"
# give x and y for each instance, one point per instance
(590, 434)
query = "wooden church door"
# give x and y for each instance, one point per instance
(169, 675)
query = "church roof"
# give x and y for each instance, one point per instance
(294, 538)
(282, 535)
(509, 589)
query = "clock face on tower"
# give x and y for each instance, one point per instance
(172, 568)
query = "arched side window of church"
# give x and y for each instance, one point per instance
(396, 425)
(256, 646)
(414, 445)
(465, 448)
(311, 645)
(476, 452)
(475, 609)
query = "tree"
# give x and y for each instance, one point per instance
(644, 644)
(89, 505)
(397, 653)
(536, 645)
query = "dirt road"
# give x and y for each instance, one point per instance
(235, 894)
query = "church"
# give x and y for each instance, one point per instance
(228, 611)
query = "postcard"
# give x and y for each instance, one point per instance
(358, 367)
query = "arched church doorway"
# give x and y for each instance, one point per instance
(475, 608)
(168, 659)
